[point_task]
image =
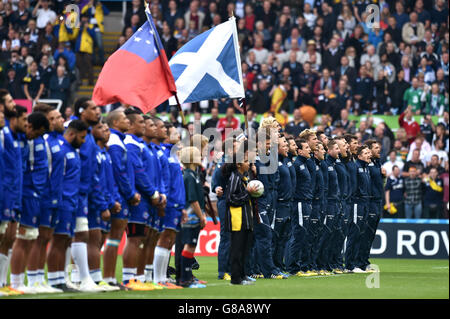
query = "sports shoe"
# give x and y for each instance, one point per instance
(277, 276)
(346, 271)
(135, 284)
(46, 288)
(256, 276)
(243, 283)
(370, 269)
(153, 285)
(168, 285)
(107, 287)
(88, 285)
(312, 273)
(195, 265)
(302, 274)
(10, 291)
(191, 284)
(203, 282)
(359, 271)
(26, 290)
(337, 271)
(71, 285)
(286, 274)
(121, 286)
(171, 271)
(3, 294)
(247, 278)
(226, 276)
(65, 288)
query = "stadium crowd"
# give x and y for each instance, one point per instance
(126, 175)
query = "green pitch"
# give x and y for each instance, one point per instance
(398, 279)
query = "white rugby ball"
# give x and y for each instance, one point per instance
(259, 188)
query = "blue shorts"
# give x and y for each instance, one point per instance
(83, 209)
(155, 222)
(105, 226)
(94, 219)
(65, 222)
(8, 211)
(31, 212)
(189, 235)
(48, 216)
(124, 213)
(172, 219)
(139, 214)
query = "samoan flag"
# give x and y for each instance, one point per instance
(209, 66)
(138, 73)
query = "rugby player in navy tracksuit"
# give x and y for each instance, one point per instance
(263, 230)
(283, 206)
(303, 196)
(317, 208)
(377, 175)
(333, 208)
(292, 156)
(360, 210)
(337, 260)
(123, 170)
(218, 184)
(34, 180)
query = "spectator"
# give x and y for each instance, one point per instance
(21, 16)
(310, 15)
(343, 68)
(96, 12)
(261, 53)
(413, 194)
(324, 81)
(414, 162)
(363, 92)
(59, 85)
(84, 50)
(343, 96)
(260, 102)
(433, 195)
(252, 123)
(195, 15)
(392, 162)
(328, 104)
(43, 14)
(400, 16)
(171, 14)
(33, 86)
(413, 31)
(434, 162)
(228, 123)
(297, 125)
(439, 14)
(421, 144)
(65, 50)
(293, 65)
(394, 193)
(14, 85)
(332, 57)
(311, 51)
(423, 15)
(407, 122)
(370, 56)
(438, 150)
(427, 128)
(435, 103)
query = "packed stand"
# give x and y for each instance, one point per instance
(43, 56)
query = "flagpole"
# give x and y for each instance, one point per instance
(242, 101)
(183, 119)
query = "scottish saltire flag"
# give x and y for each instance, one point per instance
(137, 73)
(209, 66)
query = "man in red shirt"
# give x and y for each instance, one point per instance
(228, 122)
(407, 121)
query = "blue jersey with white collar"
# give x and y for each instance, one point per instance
(363, 182)
(150, 162)
(303, 189)
(177, 194)
(139, 179)
(97, 199)
(88, 157)
(376, 180)
(71, 177)
(333, 193)
(55, 157)
(122, 167)
(109, 185)
(163, 168)
(284, 184)
(35, 175)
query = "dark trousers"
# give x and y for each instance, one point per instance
(328, 236)
(337, 259)
(357, 229)
(373, 219)
(432, 211)
(263, 243)
(297, 243)
(281, 233)
(223, 253)
(84, 64)
(239, 249)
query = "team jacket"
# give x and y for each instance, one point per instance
(194, 193)
(333, 193)
(217, 178)
(303, 190)
(266, 201)
(151, 167)
(2, 167)
(311, 164)
(35, 175)
(88, 157)
(376, 180)
(324, 170)
(319, 191)
(97, 198)
(284, 185)
(163, 168)
(122, 167)
(13, 169)
(290, 165)
(362, 182)
(239, 206)
(343, 179)
(71, 177)
(55, 157)
(139, 178)
(109, 186)
(177, 194)
(352, 173)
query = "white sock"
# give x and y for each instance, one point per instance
(141, 278)
(148, 273)
(110, 280)
(61, 279)
(75, 275)
(16, 280)
(31, 276)
(160, 258)
(3, 270)
(79, 254)
(40, 276)
(53, 278)
(128, 274)
(96, 275)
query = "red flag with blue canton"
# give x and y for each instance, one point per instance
(138, 73)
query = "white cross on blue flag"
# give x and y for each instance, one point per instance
(209, 66)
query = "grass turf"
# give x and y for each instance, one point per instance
(398, 279)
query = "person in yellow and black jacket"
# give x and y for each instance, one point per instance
(96, 12)
(239, 216)
(84, 48)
